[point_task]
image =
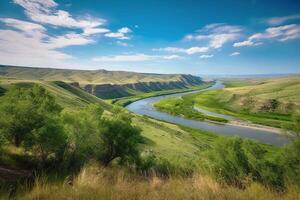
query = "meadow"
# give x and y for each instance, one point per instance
(272, 102)
(155, 159)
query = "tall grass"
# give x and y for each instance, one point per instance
(96, 182)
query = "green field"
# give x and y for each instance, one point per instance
(173, 155)
(272, 102)
(127, 100)
(105, 84)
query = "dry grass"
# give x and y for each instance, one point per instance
(101, 183)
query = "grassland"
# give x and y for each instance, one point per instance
(127, 100)
(95, 182)
(163, 139)
(83, 76)
(183, 106)
(182, 149)
(270, 102)
(105, 84)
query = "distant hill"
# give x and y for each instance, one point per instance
(102, 83)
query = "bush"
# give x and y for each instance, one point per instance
(83, 132)
(290, 160)
(235, 161)
(48, 142)
(119, 140)
(25, 110)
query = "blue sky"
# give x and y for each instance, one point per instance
(183, 36)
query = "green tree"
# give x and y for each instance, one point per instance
(47, 142)
(235, 160)
(119, 140)
(290, 160)
(24, 110)
(82, 128)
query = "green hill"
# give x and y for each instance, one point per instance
(102, 83)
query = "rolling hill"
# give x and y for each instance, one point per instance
(102, 83)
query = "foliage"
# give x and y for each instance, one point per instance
(290, 160)
(48, 142)
(235, 161)
(25, 110)
(83, 134)
(184, 106)
(119, 140)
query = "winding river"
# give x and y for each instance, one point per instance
(145, 107)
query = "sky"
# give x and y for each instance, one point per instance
(210, 37)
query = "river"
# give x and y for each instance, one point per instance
(145, 107)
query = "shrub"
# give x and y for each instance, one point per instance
(290, 160)
(235, 161)
(83, 132)
(25, 110)
(119, 140)
(48, 142)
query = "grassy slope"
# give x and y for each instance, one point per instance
(127, 100)
(166, 140)
(85, 76)
(102, 83)
(66, 95)
(184, 106)
(101, 183)
(179, 145)
(233, 100)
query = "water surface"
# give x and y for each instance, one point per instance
(145, 107)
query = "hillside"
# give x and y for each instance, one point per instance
(102, 83)
(269, 101)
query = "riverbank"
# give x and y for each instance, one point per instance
(125, 101)
(144, 107)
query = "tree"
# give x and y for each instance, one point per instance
(24, 110)
(234, 160)
(48, 141)
(119, 140)
(290, 160)
(82, 128)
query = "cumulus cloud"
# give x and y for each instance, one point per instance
(279, 33)
(275, 21)
(31, 43)
(216, 35)
(235, 53)
(133, 58)
(206, 56)
(46, 12)
(189, 51)
(121, 34)
(124, 44)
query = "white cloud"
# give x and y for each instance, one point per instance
(274, 21)
(280, 33)
(216, 35)
(120, 34)
(46, 12)
(171, 57)
(70, 39)
(134, 58)
(124, 44)
(246, 43)
(92, 31)
(235, 53)
(188, 51)
(125, 30)
(206, 56)
(31, 45)
(28, 43)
